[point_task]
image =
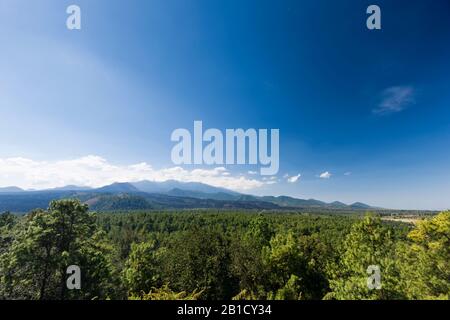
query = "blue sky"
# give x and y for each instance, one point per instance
(371, 108)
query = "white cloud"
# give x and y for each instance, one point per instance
(395, 99)
(95, 171)
(252, 172)
(348, 173)
(270, 180)
(325, 175)
(294, 179)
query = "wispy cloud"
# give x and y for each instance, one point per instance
(270, 180)
(348, 173)
(294, 179)
(395, 99)
(325, 175)
(95, 171)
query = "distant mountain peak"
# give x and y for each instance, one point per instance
(360, 205)
(118, 187)
(338, 204)
(11, 189)
(168, 185)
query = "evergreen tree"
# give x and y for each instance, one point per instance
(369, 243)
(50, 241)
(425, 260)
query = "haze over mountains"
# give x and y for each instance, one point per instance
(10, 189)
(170, 194)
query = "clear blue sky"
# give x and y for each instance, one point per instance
(372, 108)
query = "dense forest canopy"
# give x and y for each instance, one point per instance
(211, 254)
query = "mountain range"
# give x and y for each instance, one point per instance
(169, 194)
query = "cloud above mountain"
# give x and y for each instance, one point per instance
(95, 171)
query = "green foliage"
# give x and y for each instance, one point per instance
(199, 259)
(142, 270)
(7, 223)
(426, 260)
(49, 241)
(7, 220)
(247, 264)
(216, 254)
(282, 259)
(259, 231)
(292, 290)
(369, 243)
(165, 293)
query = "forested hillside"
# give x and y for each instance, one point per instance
(216, 254)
